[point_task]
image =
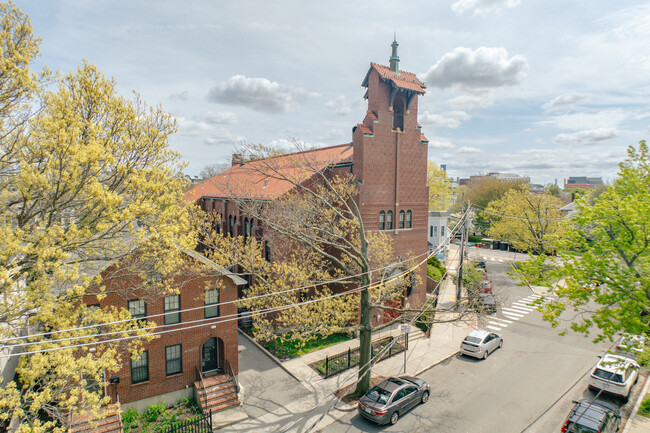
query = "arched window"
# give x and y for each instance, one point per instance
(409, 219)
(230, 225)
(250, 229)
(234, 225)
(389, 220)
(245, 228)
(398, 113)
(382, 220)
(401, 219)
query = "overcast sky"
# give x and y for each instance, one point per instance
(545, 88)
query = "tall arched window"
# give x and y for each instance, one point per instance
(382, 220)
(409, 219)
(389, 220)
(250, 229)
(398, 113)
(245, 228)
(401, 219)
(230, 225)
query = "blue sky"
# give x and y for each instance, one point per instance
(544, 88)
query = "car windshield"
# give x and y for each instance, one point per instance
(473, 340)
(607, 375)
(378, 395)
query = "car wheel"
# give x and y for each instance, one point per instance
(394, 417)
(500, 344)
(485, 354)
(425, 397)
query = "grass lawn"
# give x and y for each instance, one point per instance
(292, 349)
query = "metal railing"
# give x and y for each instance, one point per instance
(333, 365)
(199, 377)
(230, 373)
(202, 424)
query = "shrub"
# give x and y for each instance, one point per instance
(130, 419)
(644, 409)
(152, 412)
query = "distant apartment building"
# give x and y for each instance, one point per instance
(437, 230)
(582, 182)
(494, 175)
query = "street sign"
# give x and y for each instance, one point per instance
(404, 328)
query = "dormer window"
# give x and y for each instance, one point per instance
(398, 113)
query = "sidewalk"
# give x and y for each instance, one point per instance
(318, 407)
(637, 423)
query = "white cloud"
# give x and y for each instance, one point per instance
(590, 136)
(469, 101)
(258, 94)
(482, 6)
(469, 149)
(223, 117)
(449, 120)
(483, 68)
(581, 121)
(221, 136)
(440, 143)
(565, 102)
(182, 96)
(332, 134)
(339, 105)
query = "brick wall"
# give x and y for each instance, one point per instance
(191, 340)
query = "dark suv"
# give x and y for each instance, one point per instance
(590, 417)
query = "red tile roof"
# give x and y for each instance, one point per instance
(423, 138)
(372, 115)
(365, 128)
(255, 180)
(403, 80)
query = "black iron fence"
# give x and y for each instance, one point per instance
(202, 424)
(333, 365)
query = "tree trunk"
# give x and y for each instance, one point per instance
(365, 345)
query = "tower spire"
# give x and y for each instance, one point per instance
(394, 58)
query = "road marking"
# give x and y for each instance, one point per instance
(503, 320)
(491, 259)
(511, 315)
(484, 258)
(514, 312)
(522, 306)
(492, 322)
(494, 328)
(519, 310)
(501, 260)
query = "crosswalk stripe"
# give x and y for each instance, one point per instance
(519, 310)
(502, 320)
(494, 328)
(523, 306)
(493, 322)
(501, 260)
(513, 312)
(491, 259)
(534, 296)
(484, 258)
(512, 315)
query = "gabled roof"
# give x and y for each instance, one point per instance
(404, 80)
(254, 180)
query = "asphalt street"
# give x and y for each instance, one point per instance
(528, 385)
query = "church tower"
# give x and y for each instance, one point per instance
(390, 162)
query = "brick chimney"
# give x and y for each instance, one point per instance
(236, 159)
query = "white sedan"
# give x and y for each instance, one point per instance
(480, 343)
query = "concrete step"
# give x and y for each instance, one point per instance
(224, 405)
(110, 424)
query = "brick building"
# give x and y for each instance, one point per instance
(194, 349)
(387, 155)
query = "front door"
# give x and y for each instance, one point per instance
(212, 358)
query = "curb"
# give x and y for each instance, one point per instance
(436, 363)
(633, 415)
(269, 354)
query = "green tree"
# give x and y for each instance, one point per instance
(84, 181)
(528, 220)
(440, 190)
(608, 258)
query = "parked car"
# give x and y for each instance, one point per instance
(590, 416)
(392, 398)
(480, 343)
(485, 287)
(487, 303)
(630, 344)
(614, 375)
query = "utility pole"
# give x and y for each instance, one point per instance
(459, 283)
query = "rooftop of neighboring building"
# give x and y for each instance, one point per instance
(255, 180)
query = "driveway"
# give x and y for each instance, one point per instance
(266, 386)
